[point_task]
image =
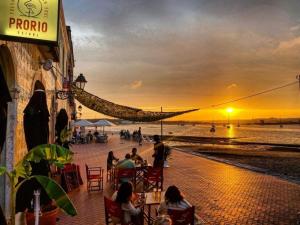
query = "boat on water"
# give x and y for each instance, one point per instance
(212, 129)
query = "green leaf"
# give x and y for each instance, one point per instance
(54, 154)
(2, 170)
(49, 152)
(56, 193)
(65, 134)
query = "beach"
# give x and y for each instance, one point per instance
(278, 161)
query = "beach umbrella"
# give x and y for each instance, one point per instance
(83, 123)
(103, 123)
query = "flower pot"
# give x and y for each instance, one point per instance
(47, 218)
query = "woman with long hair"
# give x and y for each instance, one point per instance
(110, 159)
(173, 200)
(124, 197)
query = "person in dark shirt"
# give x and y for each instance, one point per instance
(140, 136)
(159, 152)
(135, 157)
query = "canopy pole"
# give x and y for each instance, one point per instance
(161, 126)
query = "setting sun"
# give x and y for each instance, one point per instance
(229, 110)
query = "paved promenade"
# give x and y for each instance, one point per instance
(222, 194)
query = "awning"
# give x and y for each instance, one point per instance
(83, 123)
(103, 123)
(119, 111)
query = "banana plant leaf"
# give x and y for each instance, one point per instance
(2, 170)
(54, 154)
(56, 193)
(50, 152)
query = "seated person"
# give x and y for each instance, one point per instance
(163, 220)
(96, 133)
(124, 197)
(135, 157)
(110, 160)
(126, 163)
(173, 200)
(89, 136)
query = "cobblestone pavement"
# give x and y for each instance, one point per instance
(222, 194)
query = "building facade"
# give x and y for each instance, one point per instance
(20, 68)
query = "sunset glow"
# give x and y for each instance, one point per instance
(210, 53)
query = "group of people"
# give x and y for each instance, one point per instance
(128, 162)
(173, 199)
(134, 158)
(82, 138)
(125, 196)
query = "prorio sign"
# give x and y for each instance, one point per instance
(29, 20)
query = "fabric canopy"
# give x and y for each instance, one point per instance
(119, 111)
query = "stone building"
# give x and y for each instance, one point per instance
(20, 69)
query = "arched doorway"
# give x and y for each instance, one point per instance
(7, 120)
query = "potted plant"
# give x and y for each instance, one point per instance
(54, 154)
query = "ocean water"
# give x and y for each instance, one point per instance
(288, 134)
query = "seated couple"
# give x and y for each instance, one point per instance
(133, 214)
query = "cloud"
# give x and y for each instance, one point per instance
(231, 86)
(136, 84)
(295, 28)
(285, 45)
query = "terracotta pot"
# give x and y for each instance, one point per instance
(47, 218)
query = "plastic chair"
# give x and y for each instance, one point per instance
(94, 178)
(182, 217)
(153, 178)
(125, 174)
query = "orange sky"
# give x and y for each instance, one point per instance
(189, 54)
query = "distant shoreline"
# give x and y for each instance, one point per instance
(222, 141)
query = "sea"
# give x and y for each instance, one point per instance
(271, 134)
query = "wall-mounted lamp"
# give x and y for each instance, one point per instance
(80, 81)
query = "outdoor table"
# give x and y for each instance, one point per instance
(151, 199)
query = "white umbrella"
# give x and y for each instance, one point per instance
(83, 123)
(103, 123)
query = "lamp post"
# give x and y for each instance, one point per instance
(79, 82)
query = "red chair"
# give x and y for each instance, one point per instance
(153, 178)
(70, 177)
(182, 217)
(125, 174)
(94, 178)
(113, 212)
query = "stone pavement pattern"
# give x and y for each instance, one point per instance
(222, 194)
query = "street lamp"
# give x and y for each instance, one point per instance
(80, 81)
